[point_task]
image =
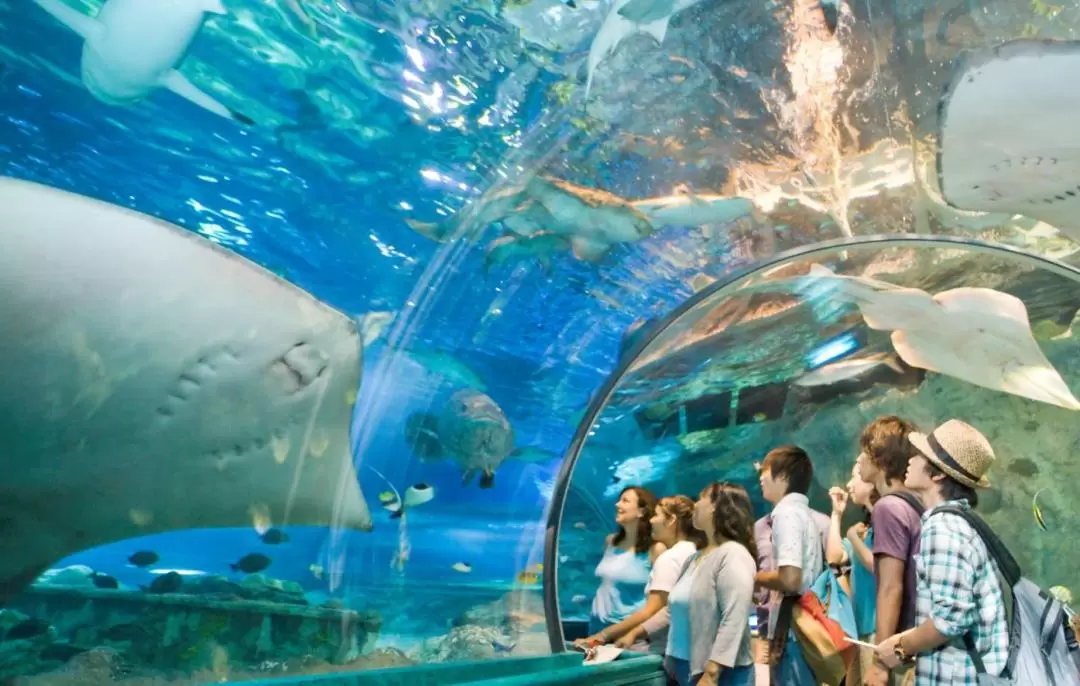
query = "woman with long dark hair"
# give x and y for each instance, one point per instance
(672, 526)
(710, 605)
(624, 569)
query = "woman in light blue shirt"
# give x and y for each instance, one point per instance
(624, 569)
(856, 550)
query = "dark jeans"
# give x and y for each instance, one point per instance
(731, 676)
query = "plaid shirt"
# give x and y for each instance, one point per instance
(959, 590)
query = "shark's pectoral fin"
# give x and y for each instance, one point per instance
(12, 586)
(87, 27)
(589, 250)
(179, 84)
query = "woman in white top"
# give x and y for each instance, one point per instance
(672, 527)
(626, 564)
(710, 605)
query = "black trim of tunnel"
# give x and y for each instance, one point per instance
(604, 393)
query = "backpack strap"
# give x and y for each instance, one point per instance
(910, 498)
(1006, 564)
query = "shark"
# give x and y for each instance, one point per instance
(133, 47)
(153, 381)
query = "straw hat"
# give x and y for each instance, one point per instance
(959, 450)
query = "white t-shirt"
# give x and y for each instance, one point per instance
(669, 566)
(796, 542)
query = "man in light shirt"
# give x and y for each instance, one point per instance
(786, 476)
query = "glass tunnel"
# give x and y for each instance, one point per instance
(333, 331)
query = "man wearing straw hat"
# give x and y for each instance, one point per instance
(958, 589)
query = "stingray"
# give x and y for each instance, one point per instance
(626, 18)
(1008, 139)
(978, 335)
(154, 381)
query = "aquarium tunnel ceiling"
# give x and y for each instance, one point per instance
(474, 267)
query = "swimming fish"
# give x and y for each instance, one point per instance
(274, 536)
(1037, 511)
(229, 389)
(132, 47)
(251, 563)
(316, 570)
(417, 494)
(104, 581)
(462, 567)
(847, 369)
(166, 583)
(144, 558)
(473, 431)
(528, 578)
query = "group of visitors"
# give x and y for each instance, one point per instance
(714, 590)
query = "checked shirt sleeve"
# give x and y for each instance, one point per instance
(950, 573)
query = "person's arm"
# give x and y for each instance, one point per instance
(834, 542)
(789, 537)
(734, 587)
(656, 601)
(950, 572)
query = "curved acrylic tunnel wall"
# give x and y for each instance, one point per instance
(467, 238)
(810, 346)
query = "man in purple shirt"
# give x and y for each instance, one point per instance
(883, 462)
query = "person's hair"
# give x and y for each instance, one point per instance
(792, 463)
(885, 442)
(682, 509)
(733, 514)
(951, 489)
(647, 503)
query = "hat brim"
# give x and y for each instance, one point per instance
(923, 446)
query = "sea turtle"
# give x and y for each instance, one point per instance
(471, 430)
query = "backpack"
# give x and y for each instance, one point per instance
(1038, 650)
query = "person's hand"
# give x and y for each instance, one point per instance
(857, 531)
(628, 639)
(711, 675)
(839, 498)
(591, 641)
(876, 675)
(886, 651)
